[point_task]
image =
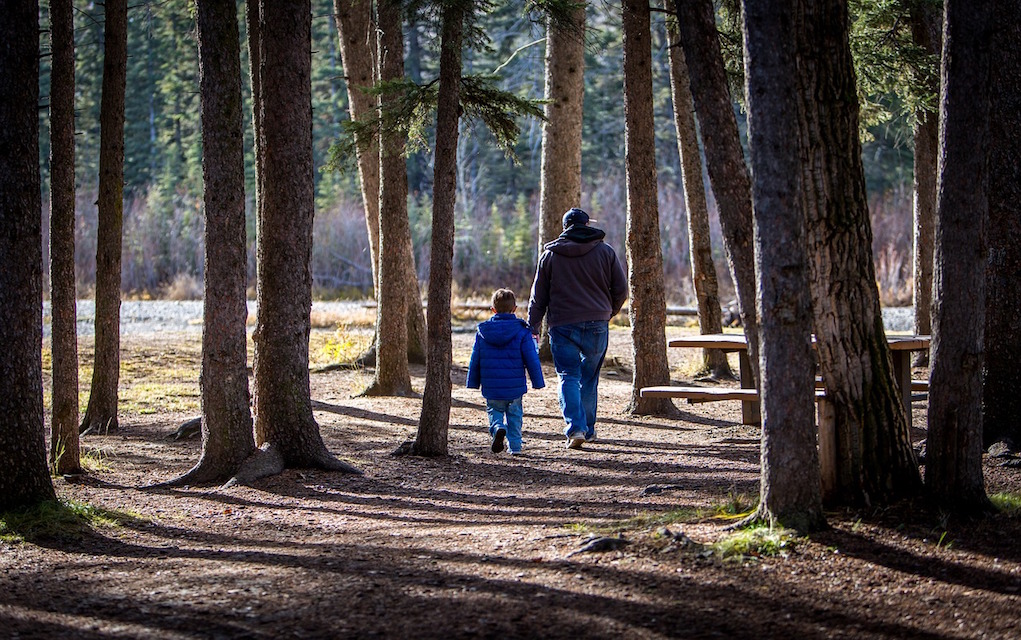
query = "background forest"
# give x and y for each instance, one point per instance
(497, 200)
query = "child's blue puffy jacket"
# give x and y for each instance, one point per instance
(503, 351)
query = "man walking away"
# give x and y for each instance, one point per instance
(579, 285)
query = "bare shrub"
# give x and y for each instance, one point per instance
(341, 261)
(184, 286)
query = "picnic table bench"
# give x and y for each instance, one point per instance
(901, 347)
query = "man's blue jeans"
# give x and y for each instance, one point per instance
(506, 414)
(578, 352)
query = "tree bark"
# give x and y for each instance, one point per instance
(357, 33)
(434, 422)
(647, 306)
(560, 170)
(284, 420)
(65, 455)
(227, 438)
(703, 271)
(392, 376)
(1002, 376)
(925, 29)
(790, 493)
(101, 413)
(560, 175)
(24, 479)
(876, 464)
(724, 157)
(953, 471)
(359, 53)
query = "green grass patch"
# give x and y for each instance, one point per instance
(735, 506)
(1008, 503)
(756, 542)
(59, 519)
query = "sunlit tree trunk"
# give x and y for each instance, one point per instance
(728, 173)
(391, 374)
(64, 441)
(703, 271)
(953, 470)
(24, 479)
(875, 462)
(358, 35)
(101, 413)
(647, 306)
(434, 422)
(1002, 376)
(790, 492)
(560, 175)
(227, 438)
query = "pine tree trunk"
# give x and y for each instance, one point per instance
(392, 376)
(24, 479)
(64, 442)
(647, 300)
(876, 464)
(357, 34)
(284, 408)
(560, 176)
(1002, 376)
(724, 157)
(703, 271)
(227, 438)
(101, 413)
(925, 29)
(560, 172)
(953, 471)
(434, 422)
(790, 492)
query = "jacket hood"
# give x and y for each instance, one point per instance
(576, 241)
(501, 329)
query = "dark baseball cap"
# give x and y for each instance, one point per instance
(576, 216)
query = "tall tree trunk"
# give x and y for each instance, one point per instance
(284, 421)
(647, 306)
(101, 413)
(925, 29)
(24, 479)
(703, 271)
(560, 172)
(392, 376)
(875, 463)
(953, 471)
(1002, 376)
(359, 52)
(560, 175)
(434, 421)
(357, 33)
(790, 492)
(64, 442)
(227, 438)
(724, 157)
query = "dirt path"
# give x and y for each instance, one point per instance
(479, 545)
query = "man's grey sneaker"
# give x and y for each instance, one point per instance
(498, 440)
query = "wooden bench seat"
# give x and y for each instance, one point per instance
(708, 394)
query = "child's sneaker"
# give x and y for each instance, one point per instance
(498, 440)
(516, 452)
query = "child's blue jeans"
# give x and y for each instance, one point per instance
(506, 414)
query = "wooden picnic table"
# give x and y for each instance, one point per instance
(901, 346)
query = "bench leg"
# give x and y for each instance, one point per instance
(750, 413)
(827, 448)
(902, 375)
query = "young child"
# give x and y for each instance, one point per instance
(503, 350)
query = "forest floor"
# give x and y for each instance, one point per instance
(484, 545)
